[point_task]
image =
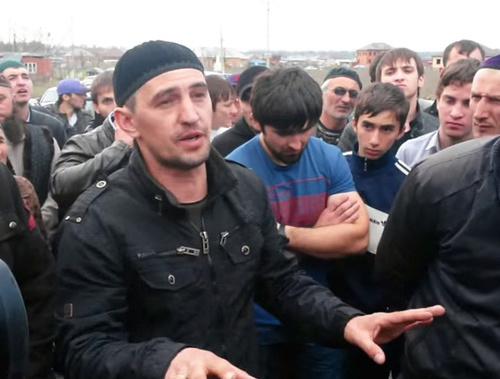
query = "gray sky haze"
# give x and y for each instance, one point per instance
(423, 25)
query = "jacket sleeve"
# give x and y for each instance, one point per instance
(347, 139)
(92, 307)
(83, 162)
(27, 254)
(409, 241)
(295, 298)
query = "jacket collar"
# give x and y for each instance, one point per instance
(220, 179)
(365, 164)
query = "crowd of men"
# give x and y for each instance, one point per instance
(278, 228)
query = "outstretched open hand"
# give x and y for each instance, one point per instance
(368, 331)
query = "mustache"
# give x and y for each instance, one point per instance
(14, 129)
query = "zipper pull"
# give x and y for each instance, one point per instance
(204, 241)
(223, 238)
(159, 199)
(188, 251)
(366, 164)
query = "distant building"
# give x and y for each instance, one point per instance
(230, 58)
(437, 61)
(39, 66)
(367, 54)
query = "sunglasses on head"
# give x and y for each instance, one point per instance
(341, 91)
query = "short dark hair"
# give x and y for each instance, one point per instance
(372, 70)
(465, 46)
(401, 53)
(219, 89)
(287, 99)
(104, 79)
(381, 97)
(460, 72)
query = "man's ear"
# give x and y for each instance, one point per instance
(354, 124)
(401, 132)
(66, 97)
(94, 105)
(421, 81)
(125, 121)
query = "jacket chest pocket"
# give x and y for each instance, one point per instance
(243, 244)
(168, 274)
(169, 284)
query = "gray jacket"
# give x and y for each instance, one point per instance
(85, 159)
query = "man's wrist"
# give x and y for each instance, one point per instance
(282, 230)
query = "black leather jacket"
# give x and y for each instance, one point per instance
(25, 251)
(85, 159)
(441, 246)
(139, 281)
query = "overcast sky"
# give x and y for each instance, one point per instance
(422, 25)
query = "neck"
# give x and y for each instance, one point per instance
(188, 186)
(22, 111)
(66, 109)
(412, 112)
(446, 141)
(332, 122)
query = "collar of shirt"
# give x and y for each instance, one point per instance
(433, 143)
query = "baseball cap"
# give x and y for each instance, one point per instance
(67, 86)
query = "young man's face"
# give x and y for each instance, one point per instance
(284, 149)
(105, 101)
(171, 120)
(377, 134)
(246, 112)
(338, 101)
(6, 103)
(455, 115)
(20, 81)
(404, 75)
(225, 113)
(485, 103)
(455, 55)
(75, 100)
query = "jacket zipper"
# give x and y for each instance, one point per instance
(366, 165)
(206, 251)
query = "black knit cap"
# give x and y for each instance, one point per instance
(146, 61)
(346, 72)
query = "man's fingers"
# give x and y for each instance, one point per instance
(416, 315)
(337, 200)
(372, 350)
(225, 370)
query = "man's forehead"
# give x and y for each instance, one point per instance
(342, 80)
(400, 62)
(15, 71)
(185, 77)
(5, 91)
(487, 77)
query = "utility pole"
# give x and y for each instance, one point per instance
(268, 51)
(222, 53)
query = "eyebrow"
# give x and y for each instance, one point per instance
(489, 97)
(170, 90)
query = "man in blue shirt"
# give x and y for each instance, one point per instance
(312, 196)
